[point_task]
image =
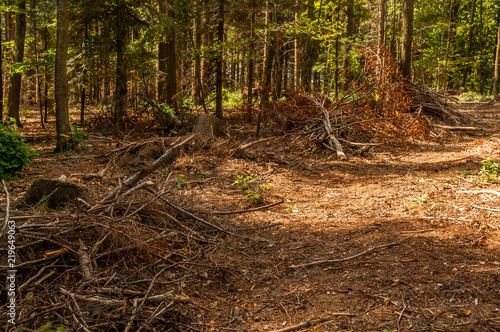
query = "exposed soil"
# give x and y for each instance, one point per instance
(431, 248)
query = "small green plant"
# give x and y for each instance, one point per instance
(291, 207)
(490, 168)
(466, 173)
(242, 183)
(76, 135)
(14, 152)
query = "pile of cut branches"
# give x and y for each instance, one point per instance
(118, 264)
(381, 108)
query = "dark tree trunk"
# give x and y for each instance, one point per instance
(251, 53)
(496, 76)
(121, 71)
(84, 79)
(63, 140)
(469, 45)
(15, 85)
(1, 78)
(407, 39)
(219, 68)
(167, 64)
(348, 34)
(480, 69)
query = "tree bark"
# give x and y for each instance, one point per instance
(219, 68)
(348, 34)
(497, 65)
(469, 45)
(167, 64)
(296, 54)
(1, 78)
(382, 13)
(121, 71)
(15, 85)
(63, 140)
(480, 69)
(407, 39)
(251, 53)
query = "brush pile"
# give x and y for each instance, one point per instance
(120, 264)
(381, 108)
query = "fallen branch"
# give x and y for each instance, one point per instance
(340, 260)
(84, 259)
(479, 192)
(134, 179)
(458, 128)
(243, 211)
(189, 214)
(7, 207)
(304, 325)
(246, 146)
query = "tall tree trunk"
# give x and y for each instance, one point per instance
(348, 34)
(84, 79)
(196, 41)
(251, 54)
(480, 69)
(469, 45)
(382, 13)
(121, 71)
(167, 64)
(277, 54)
(1, 78)
(219, 62)
(496, 76)
(63, 141)
(296, 54)
(407, 38)
(15, 85)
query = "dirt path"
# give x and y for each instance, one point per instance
(441, 273)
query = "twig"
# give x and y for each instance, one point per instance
(458, 128)
(84, 259)
(485, 208)
(479, 192)
(132, 318)
(304, 325)
(340, 260)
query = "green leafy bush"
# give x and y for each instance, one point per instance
(14, 153)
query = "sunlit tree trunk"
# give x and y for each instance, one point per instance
(15, 83)
(407, 38)
(469, 45)
(63, 140)
(382, 13)
(296, 54)
(497, 65)
(348, 34)
(251, 55)
(480, 69)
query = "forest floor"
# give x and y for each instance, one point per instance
(429, 243)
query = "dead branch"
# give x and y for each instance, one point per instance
(162, 108)
(7, 208)
(84, 259)
(263, 140)
(134, 179)
(267, 206)
(304, 325)
(458, 128)
(340, 260)
(189, 214)
(116, 302)
(479, 192)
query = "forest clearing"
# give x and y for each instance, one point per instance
(257, 165)
(410, 236)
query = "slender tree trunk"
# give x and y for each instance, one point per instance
(407, 38)
(382, 13)
(63, 141)
(480, 69)
(38, 79)
(496, 76)
(251, 54)
(296, 54)
(1, 78)
(348, 34)
(196, 40)
(84, 79)
(15, 85)
(121, 71)
(469, 45)
(219, 68)
(277, 54)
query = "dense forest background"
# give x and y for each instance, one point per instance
(181, 55)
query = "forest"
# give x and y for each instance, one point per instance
(253, 165)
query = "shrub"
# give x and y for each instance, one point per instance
(14, 152)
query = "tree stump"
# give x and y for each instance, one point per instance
(207, 125)
(51, 192)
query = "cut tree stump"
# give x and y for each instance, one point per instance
(52, 192)
(207, 125)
